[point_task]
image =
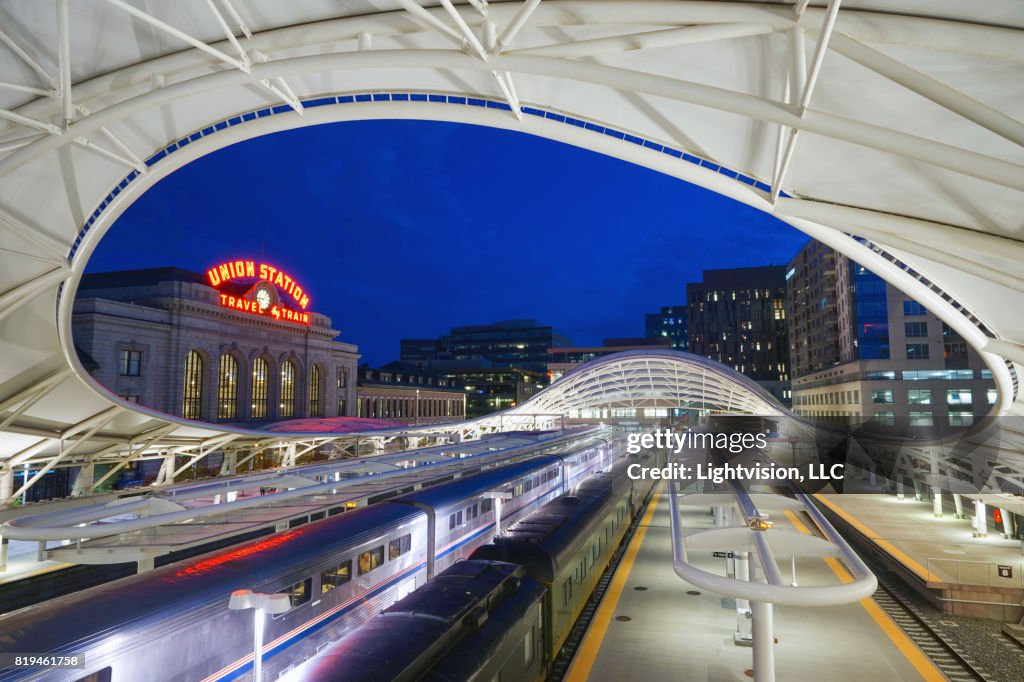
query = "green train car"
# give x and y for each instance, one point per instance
(567, 544)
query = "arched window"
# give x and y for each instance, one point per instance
(287, 408)
(314, 391)
(260, 379)
(227, 388)
(192, 404)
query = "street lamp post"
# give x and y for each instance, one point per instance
(273, 604)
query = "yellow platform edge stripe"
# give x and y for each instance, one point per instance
(889, 548)
(922, 664)
(584, 660)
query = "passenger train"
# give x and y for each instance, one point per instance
(173, 623)
(505, 613)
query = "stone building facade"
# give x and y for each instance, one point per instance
(165, 338)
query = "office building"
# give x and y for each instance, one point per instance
(508, 343)
(669, 323)
(568, 357)
(864, 351)
(737, 316)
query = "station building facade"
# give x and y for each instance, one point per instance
(235, 345)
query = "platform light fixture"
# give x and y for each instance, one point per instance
(274, 604)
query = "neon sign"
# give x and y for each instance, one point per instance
(248, 269)
(264, 297)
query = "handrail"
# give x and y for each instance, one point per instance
(863, 585)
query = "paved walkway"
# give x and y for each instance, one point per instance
(650, 627)
(937, 550)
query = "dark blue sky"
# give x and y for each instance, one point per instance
(403, 229)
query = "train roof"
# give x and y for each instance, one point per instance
(546, 539)
(62, 623)
(445, 494)
(415, 632)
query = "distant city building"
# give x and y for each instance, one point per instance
(669, 324)
(489, 388)
(509, 343)
(566, 358)
(863, 350)
(237, 344)
(405, 393)
(738, 317)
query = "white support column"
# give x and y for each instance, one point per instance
(1007, 523)
(229, 463)
(764, 641)
(84, 480)
(6, 484)
(4, 546)
(145, 564)
(899, 489)
(958, 502)
(742, 636)
(721, 517)
(980, 520)
(917, 490)
(937, 501)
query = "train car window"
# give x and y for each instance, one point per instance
(528, 485)
(566, 591)
(486, 505)
(371, 559)
(399, 546)
(451, 522)
(458, 518)
(590, 556)
(339, 575)
(98, 676)
(300, 592)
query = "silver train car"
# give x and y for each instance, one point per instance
(173, 623)
(504, 613)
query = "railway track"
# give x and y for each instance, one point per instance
(919, 626)
(955, 664)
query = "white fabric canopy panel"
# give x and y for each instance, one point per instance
(889, 130)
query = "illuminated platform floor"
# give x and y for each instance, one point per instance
(649, 628)
(939, 551)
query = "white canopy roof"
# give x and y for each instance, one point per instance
(898, 143)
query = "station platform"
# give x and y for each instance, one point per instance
(959, 573)
(651, 625)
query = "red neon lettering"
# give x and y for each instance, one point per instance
(250, 268)
(211, 275)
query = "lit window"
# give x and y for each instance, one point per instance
(192, 401)
(227, 388)
(371, 559)
(260, 379)
(287, 406)
(339, 575)
(314, 391)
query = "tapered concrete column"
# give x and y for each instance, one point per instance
(1007, 524)
(958, 502)
(917, 490)
(84, 480)
(899, 489)
(229, 463)
(980, 520)
(6, 484)
(5, 545)
(937, 502)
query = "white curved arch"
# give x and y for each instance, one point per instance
(908, 156)
(649, 379)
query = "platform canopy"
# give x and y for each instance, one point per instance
(889, 130)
